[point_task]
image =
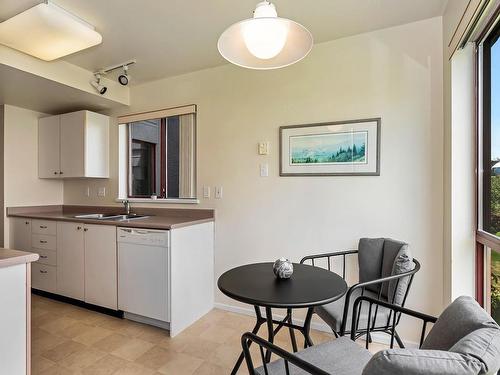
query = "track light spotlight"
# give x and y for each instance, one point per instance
(123, 78)
(97, 84)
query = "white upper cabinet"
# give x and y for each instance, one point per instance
(49, 147)
(74, 145)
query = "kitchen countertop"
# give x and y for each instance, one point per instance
(10, 257)
(158, 218)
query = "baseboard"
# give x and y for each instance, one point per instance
(378, 337)
(146, 320)
(76, 302)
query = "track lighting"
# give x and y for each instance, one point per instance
(123, 78)
(97, 84)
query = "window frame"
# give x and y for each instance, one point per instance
(486, 242)
(124, 179)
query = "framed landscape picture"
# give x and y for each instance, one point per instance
(342, 148)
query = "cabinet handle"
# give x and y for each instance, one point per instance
(55, 172)
(43, 256)
(43, 227)
(26, 222)
(60, 172)
(41, 271)
(78, 228)
(43, 241)
(86, 229)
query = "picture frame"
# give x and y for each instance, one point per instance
(339, 148)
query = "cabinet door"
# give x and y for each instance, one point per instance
(100, 266)
(70, 260)
(20, 234)
(72, 144)
(96, 145)
(48, 147)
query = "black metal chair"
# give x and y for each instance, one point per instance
(386, 271)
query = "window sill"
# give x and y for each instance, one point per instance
(160, 201)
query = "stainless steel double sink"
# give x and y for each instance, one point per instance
(111, 217)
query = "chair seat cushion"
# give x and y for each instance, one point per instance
(339, 356)
(421, 362)
(332, 313)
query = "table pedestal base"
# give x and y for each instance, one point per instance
(272, 331)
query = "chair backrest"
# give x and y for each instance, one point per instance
(464, 340)
(382, 257)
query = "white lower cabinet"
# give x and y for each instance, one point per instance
(43, 277)
(76, 260)
(70, 260)
(20, 233)
(100, 266)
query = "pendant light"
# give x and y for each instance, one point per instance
(265, 41)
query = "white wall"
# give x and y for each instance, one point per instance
(22, 187)
(456, 239)
(394, 73)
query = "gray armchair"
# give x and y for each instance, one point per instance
(465, 340)
(386, 271)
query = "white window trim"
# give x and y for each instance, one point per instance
(160, 200)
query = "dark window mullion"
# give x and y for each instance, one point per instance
(163, 161)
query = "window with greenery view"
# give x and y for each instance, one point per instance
(490, 183)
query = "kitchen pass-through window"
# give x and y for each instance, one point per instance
(161, 155)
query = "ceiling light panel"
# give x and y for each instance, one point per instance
(48, 32)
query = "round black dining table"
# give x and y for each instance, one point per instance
(256, 284)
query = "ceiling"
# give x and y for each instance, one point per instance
(45, 95)
(171, 37)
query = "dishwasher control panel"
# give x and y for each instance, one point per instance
(148, 237)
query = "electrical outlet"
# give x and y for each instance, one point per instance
(218, 192)
(206, 191)
(101, 192)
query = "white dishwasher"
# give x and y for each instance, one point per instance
(143, 274)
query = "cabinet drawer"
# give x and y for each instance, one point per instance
(44, 242)
(43, 277)
(44, 227)
(48, 257)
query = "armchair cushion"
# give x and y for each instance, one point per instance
(339, 356)
(403, 262)
(483, 345)
(332, 313)
(459, 319)
(382, 257)
(370, 255)
(421, 362)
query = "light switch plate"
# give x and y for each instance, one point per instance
(101, 192)
(263, 148)
(264, 170)
(218, 192)
(206, 191)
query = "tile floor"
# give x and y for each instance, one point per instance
(69, 340)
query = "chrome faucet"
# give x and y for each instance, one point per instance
(126, 203)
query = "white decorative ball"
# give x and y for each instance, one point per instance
(283, 268)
